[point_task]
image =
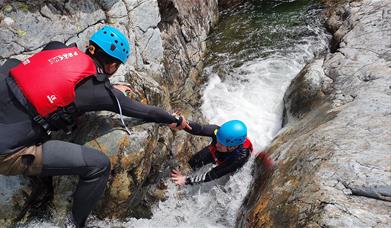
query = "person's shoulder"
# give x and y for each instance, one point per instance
(94, 82)
(53, 45)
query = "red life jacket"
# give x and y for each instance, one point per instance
(48, 78)
(213, 150)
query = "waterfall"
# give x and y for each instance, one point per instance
(255, 52)
(246, 84)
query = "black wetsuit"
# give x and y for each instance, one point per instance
(229, 162)
(18, 130)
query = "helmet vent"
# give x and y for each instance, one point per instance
(112, 47)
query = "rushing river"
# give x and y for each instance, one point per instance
(255, 51)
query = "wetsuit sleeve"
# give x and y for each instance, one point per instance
(202, 130)
(92, 95)
(145, 112)
(227, 167)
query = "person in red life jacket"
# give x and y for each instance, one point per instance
(45, 93)
(229, 150)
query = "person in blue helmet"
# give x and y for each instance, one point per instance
(229, 151)
(46, 93)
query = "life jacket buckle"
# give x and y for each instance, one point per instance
(43, 123)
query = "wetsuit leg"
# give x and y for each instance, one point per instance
(92, 167)
(201, 158)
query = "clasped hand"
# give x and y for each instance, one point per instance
(183, 125)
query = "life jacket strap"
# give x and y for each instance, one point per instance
(26, 105)
(43, 123)
(63, 118)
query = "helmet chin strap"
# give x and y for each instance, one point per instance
(101, 75)
(98, 58)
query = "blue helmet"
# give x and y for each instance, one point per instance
(232, 133)
(112, 42)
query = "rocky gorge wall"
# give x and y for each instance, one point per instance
(332, 156)
(168, 44)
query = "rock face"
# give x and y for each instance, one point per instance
(168, 43)
(333, 161)
(184, 27)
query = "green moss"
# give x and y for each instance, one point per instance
(21, 32)
(7, 8)
(111, 21)
(23, 7)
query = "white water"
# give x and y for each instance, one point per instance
(252, 93)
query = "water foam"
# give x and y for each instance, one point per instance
(252, 92)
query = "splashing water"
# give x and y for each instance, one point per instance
(246, 80)
(255, 52)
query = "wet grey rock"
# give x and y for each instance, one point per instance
(190, 21)
(33, 27)
(306, 91)
(156, 30)
(12, 196)
(333, 155)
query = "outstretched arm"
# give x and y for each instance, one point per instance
(227, 167)
(217, 172)
(202, 130)
(145, 112)
(92, 95)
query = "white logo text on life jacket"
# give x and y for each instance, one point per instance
(62, 57)
(51, 98)
(25, 62)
